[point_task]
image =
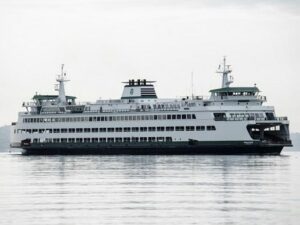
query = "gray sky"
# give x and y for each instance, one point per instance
(105, 42)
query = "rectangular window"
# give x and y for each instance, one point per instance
(86, 140)
(87, 130)
(169, 128)
(126, 129)
(160, 128)
(200, 128)
(169, 117)
(102, 139)
(64, 130)
(110, 140)
(143, 129)
(188, 116)
(71, 140)
(183, 116)
(55, 140)
(79, 130)
(78, 140)
(135, 139)
(193, 116)
(110, 129)
(173, 117)
(102, 129)
(135, 129)
(211, 128)
(160, 139)
(151, 129)
(143, 139)
(94, 140)
(119, 129)
(71, 130)
(179, 128)
(151, 139)
(56, 131)
(189, 128)
(178, 117)
(126, 139)
(95, 130)
(118, 140)
(63, 140)
(168, 139)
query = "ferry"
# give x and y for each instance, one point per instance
(232, 121)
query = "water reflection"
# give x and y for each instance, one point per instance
(149, 189)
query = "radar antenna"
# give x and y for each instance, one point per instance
(61, 79)
(225, 70)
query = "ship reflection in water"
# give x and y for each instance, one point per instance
(150, 189)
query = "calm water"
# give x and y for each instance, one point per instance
(150, 189)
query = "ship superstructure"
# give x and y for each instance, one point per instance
(233, 120)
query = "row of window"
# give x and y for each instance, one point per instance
(104, 140)
(117, 129)
(111, 118)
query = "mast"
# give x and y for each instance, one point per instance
(225, 70)
(61, 79)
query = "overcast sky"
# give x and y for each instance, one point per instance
(105, 42)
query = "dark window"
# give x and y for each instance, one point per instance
(189, 128)
(183, 116)
(135, 139)
(71, 130)
(194, 116)
(94, 140)
(126, 129)
(180, 128)
(169, 128)
(143, 139)
(64, 130)
(151, 129)
(71, 140)
(119, 129)
(200, 128)
(173, 117)
(155, 117)
(168, 139)
(160, 128)
(94, 130)
(79, 130)
(220, 116)
(178, 117)
(102, 139)
(143, 129)
(54, 130)
(63, 140)
(118, 140)
(102, 130)
(79, 140)
(169, 117)
(86, 140)
(126, 139)
(110, 129)
(151, 139)
(211, 128)
(135, 129)
(161, 139)
(87, 130)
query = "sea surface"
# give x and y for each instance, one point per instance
(65, 190)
